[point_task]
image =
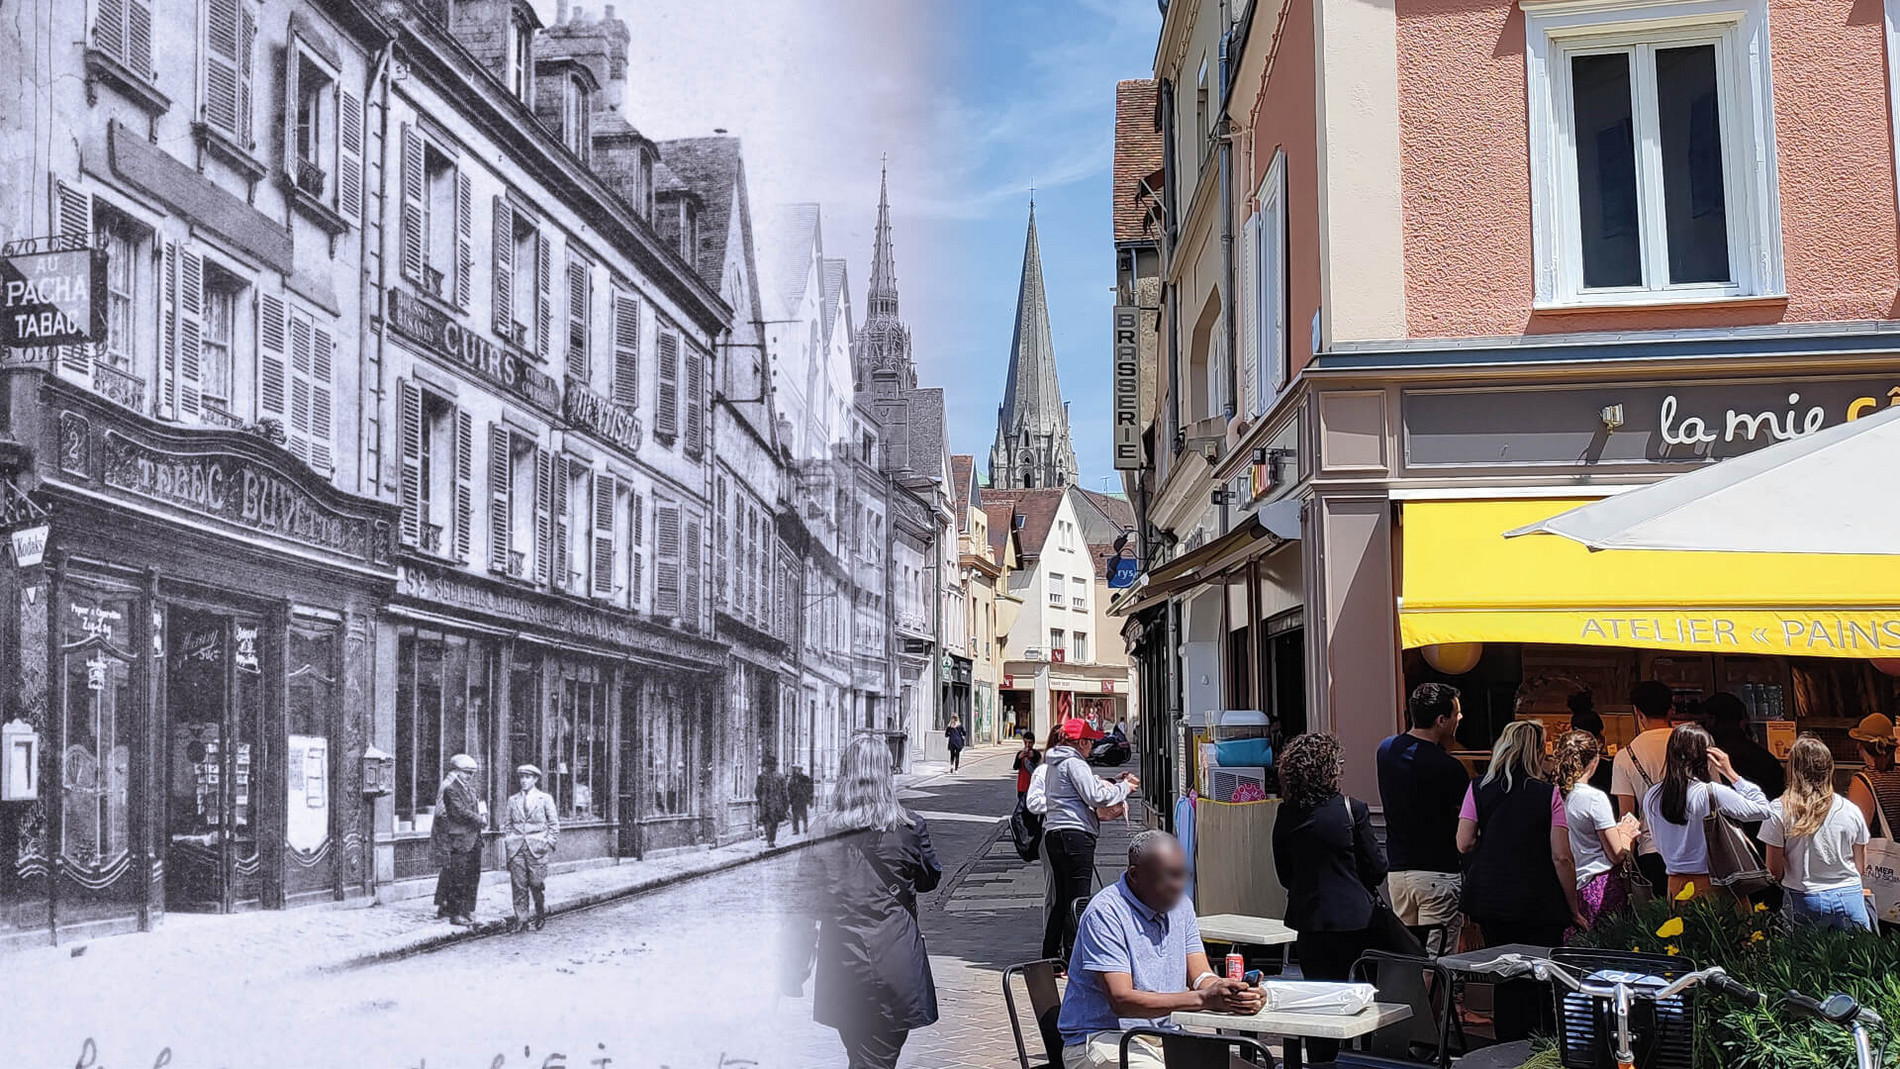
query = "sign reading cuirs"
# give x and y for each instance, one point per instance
(52, 298)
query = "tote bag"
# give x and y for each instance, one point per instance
(1882, 875)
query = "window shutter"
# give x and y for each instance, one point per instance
(349, 155)
(191, 310)
(138, 38)
(302, 356)
(543, 296)
(221, 76)
(605, 487)
(74, 208)
(666, 558)
(464, 483)
(409, 429)
(504, 247)
(293, 69)
(577, 321)
(1246, 285)
(108, 31)
(273, 360)
(636, 555)
(561, 473)
(666, 420)
(501, 477)
(1274, 271)
(165, 401)
(464, 238)
(695, 402)
(322, 392)
(411, 203)
(722, 534)
(543, 516)
(247, 46)
(626, 351)
(689, 608)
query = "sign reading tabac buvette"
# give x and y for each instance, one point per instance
(52, 297)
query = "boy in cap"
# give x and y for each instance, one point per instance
(528, 838)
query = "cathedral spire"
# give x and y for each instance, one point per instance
(881, 299)
(1032, 428)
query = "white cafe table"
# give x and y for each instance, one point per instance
(1244, 930)
(1292, 1028)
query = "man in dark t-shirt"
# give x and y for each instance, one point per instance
(1422, 786)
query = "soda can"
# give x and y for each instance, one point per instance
(1236, 966)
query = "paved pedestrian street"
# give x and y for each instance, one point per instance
(684, 977)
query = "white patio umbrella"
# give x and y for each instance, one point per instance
(1833, 491)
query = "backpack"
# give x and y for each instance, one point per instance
(1025, 830)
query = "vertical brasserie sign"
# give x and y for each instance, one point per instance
(1127, 388)
(51, 296)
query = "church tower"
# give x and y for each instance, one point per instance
(1032, 447)
(883, 343)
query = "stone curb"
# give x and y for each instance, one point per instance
(438, 939)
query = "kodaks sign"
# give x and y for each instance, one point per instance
(52, 298)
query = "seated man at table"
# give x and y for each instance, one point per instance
(1138, 958)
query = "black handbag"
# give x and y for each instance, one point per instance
(1025, 830)
(1389, 933)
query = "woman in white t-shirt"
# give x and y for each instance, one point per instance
(1600, 842)
(1697, 780)
(1817, 843)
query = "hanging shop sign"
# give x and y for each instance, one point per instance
(441, 336)
(52, 295)
(591, 412)
(1127, 411)
(1122, 572)
(29, 545)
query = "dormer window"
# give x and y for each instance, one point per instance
(689, 229)
(520, 73)
(574, 118)
(646, 187)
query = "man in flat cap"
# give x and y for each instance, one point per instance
(456, 840)
(529, 834)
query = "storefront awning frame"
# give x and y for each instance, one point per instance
(1267, 528)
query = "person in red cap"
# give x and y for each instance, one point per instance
(1074, 801)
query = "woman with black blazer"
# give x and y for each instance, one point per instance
(1330, 863)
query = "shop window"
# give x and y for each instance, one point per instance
(667, 742)
(442, 709)
(575, 743)
(437, 473)
(311, 670)
(99, 725)
(1652, 155)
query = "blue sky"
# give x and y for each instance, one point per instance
(972, 102)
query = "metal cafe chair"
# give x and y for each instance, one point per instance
(1184, 1050)
(1420, 1040)
(1045, 1002)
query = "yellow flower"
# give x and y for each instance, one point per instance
(1671, 950)
(1670, 928)
(1636, 950)
(1758, 937)
(1761, 907)
(1687, 892)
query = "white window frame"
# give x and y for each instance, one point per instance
(1270, 287)
(1554, 30)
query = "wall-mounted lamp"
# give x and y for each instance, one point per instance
(1612, 416)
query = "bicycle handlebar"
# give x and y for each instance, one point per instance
(1714, 976)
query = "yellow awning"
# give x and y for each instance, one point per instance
(1463, 581)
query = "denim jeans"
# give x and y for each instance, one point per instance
(1839, 909)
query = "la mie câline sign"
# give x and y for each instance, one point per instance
(431, 328)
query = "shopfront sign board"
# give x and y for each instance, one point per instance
(1122, 572)
(50, 298)
(591, 412)
(442, 336)
(1127, 410)
(1668, 423)
(29, 545)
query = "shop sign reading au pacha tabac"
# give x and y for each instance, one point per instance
(52, 298)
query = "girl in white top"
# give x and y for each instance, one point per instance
(1599, 841)
(1817, 843)
(1697, 778)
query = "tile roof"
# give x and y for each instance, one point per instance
(1105, 514)
(714, 168)
(1100, 553)
(1137, 155)
(792, 236)
(999, 514)
(962, 486)
(1038, 509)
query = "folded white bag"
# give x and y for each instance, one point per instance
(1316, 996)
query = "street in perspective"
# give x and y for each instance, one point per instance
(1100, 534)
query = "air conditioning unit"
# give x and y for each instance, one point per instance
(1033, 653)
(1224, 783)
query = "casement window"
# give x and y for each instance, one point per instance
(127, 249)
(580, 306)
(667, 558)
(1079, 646)
(575, 523)
(437, 218)
(1263, 288)
(519, 76)
(323, 132)
(725, 541)
(227, 65)
(223, 297)
(523, 278)
(437, 488)
(626, 327)
(1652, 152)
(122, 29)
(1078, 592)
(666, 416)
(296, 384)
(1057, 640)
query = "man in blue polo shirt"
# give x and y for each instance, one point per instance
(1138, 958)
